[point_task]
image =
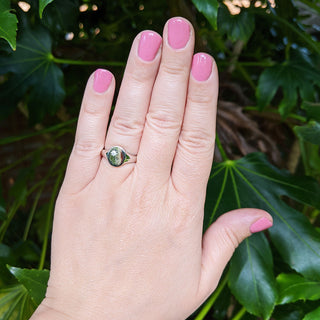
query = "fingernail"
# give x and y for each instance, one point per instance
(102, 80)
(178, 33)
(201, 66)
(149, 45)
(260, 225)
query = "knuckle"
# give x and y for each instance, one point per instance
(94, 109)
(230, 238)
(175, 69)
(125, 126)
(87, 148)
(164, 120)
(139, 79)
(197, 139)
(201, 97)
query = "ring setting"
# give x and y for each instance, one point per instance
(117, 156)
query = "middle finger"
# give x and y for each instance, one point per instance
(168, 100)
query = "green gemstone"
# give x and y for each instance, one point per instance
(116, 156)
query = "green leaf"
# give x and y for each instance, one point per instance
(315, 314)
(309, 132)
(8, 24)
(293, 287)
(16, 303)
(237, 27)
(312, 109)
(209, 8)
(251, 277)
(252, 182)
(35, 281)
(298, 74)
(61, 16)
(42, 5)
(33, 72)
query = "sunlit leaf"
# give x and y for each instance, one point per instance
(252, 182)
(209, 8)
(35, 281)
(293, 287)
(237, 27)
(33, 71)
(8, 23)
(16, 303)
(297, 75)
(309, 132)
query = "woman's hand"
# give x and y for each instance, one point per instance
(127, 241)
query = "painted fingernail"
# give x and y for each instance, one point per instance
(201, 66)
(149, 45)
(178, 33)
(102, 80)
(260, 225)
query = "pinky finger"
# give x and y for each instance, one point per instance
(91, 131)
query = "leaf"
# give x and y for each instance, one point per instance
(315, 314)
(252, 182)
(61, 16)
(42, 5)
(312, 109)
(16, 303)
(309, 132)
(35, 281)
(297, 74)
(293, 287)
(237, 27)
(3, 211)
(255, 289)
(8, 24)
(209, 8)
(33, 69)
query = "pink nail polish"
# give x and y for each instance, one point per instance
(260, 225)
(201, 66)
(102, 80)
(178, 33)
(149, 45)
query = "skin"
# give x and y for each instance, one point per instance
(127, 242)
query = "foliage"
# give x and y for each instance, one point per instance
(269, 61)
(8, 23)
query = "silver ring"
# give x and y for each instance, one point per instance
(117, 156)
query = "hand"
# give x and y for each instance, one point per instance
(127, 241)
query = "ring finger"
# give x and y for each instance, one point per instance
(128, 120)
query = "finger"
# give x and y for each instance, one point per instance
(193, 159)
(222, 238)
(164, 118)
(91, 131)
(128, 120)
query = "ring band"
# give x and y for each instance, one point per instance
(117, 156)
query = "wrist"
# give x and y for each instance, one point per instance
(44, 312)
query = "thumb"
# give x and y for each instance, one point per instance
(222, 238)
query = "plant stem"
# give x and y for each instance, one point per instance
(269, 110)
(33, 134)
(209, 303)
(6, 223)
(222, 152)
(87, 63)
(311, 5)
(31, 214)
(240, 314)
(310, 42)
(49, 220)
